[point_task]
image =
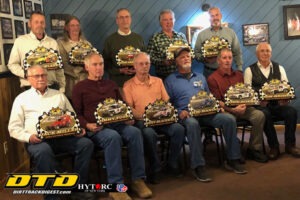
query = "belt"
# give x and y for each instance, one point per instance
(212, 69)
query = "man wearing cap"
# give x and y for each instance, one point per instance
(181, 86)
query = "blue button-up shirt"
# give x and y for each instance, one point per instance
(181, 89)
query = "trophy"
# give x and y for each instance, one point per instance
(125, 56)
(57, 123)
(211, 47)
(203, 104)
(78, 53)
(176, 45)
(241, 94)
(277, 90)
(47, 58)
(112, 110)
(158, 113)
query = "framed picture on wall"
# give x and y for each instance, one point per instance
(27, 28)
(192, 33)
(19, 28)
(7, 30)
(291, 21)
(38, 7)
(17, 8)
(5, 6)
(27, 8)
(58, 21)
(6, 50)
(255, 33)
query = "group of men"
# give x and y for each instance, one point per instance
(130, 84)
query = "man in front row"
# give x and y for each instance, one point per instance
(27, 108)
(219, 82)
(139, 91)
(256, 75)
(181, 86)
(87, 94)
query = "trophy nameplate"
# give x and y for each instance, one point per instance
(125, 56)
(277, 90)
(212, 47)
(78, 53)
(111, 111)
(58, 123)
(241, 94)
(159, 113)
(203, 104)
(176, 45)
(47, 58)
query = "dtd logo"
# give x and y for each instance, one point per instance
(59, 180)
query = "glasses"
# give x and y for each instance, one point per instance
(37, 76)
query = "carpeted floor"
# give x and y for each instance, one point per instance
(275, 180)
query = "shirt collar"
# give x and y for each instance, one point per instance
(33, 36)
(211, 28)
(138, 82)
(178, 75)
(223, 73)
(261, 67)
(35, 91)
(124, 34)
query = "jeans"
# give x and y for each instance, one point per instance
(289, 115)
(111, 139)
(43, 154)
(176, 134)
(227, 122)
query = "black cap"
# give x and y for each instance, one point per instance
(180, 50)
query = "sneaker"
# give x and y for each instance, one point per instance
(201, 175)
(141, 189)
(119, 196)
(235, 166)
(256, 155)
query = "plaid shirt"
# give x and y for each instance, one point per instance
(157, 49)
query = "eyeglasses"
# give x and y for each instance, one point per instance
(37, 76)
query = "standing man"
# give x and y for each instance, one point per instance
(161, 41)
(219, 82)
(216, 30)
(87, 94)
(29, 42)
(119, 40)
(27, 108)
(134, 93)
(256, 75)
(182, 86)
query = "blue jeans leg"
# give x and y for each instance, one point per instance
(111, 142)
(132, 136)
(176, 134)
(150, 146)
(194, 138)
(227, 122)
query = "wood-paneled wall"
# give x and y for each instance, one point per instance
(98, 21)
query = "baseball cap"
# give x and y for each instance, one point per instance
(180, 50)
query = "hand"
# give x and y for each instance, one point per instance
(240, 109)
(83, 132)
(184, 114)
(34, 139)
(93, 127)
(127, 70)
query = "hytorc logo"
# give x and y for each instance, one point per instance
(65, 181)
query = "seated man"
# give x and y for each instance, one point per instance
(27, 108)
(219, 82)
(139, 91)
(256, 75)
(181, 86)
(87, 94)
